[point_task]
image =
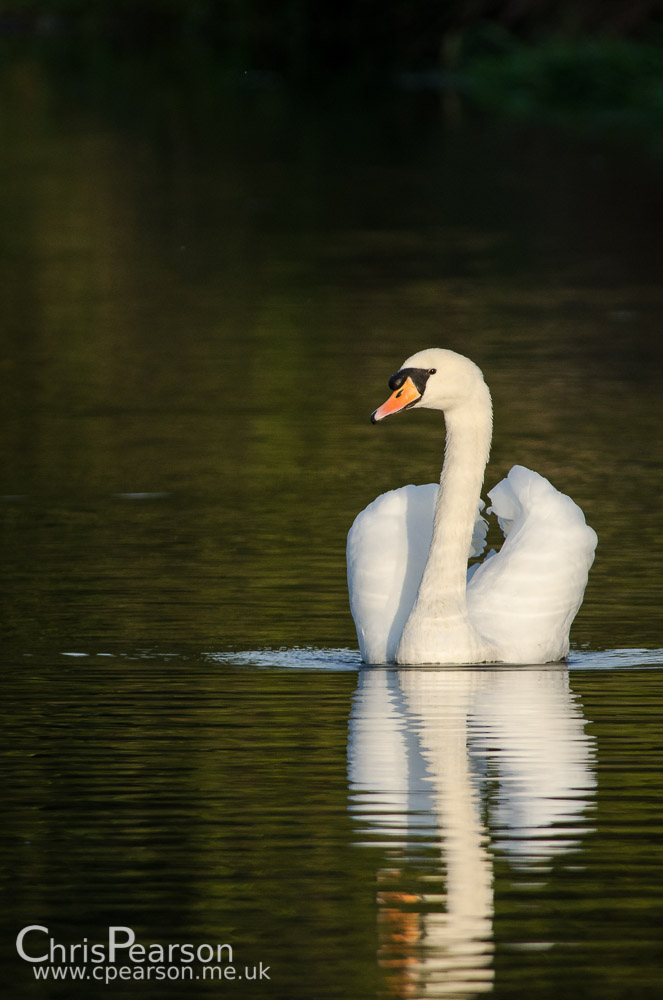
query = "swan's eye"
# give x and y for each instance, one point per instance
(432, 371)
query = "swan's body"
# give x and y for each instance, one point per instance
(411, 596)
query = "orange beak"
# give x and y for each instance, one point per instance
(407, 395)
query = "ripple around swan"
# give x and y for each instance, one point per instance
(298, 658)
(310, 658)
(613, 659)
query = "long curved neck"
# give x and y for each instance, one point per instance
(469, 433)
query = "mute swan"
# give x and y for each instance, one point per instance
(411, 596)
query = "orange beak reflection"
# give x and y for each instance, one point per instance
(405, 396)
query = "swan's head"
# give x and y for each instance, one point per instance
(436, 379)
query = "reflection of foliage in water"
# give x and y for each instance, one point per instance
(216, 320)
(607, 82)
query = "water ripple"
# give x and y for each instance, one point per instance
(298, 658)
(311, 658)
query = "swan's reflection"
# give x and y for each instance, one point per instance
(464, 762)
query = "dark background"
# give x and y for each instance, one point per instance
(517, 57)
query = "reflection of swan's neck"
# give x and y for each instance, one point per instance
(442, 589)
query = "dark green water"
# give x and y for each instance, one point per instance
(193, 336)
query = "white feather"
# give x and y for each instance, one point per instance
(386, 554)
(525, 597)
(411, 596)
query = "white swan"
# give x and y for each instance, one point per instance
(411, 596)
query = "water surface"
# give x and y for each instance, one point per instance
(196, 327)
(426, 832)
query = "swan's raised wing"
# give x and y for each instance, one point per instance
(525, 597)
(386, 555)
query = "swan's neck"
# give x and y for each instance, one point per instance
(469, 430)
(442, 593)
